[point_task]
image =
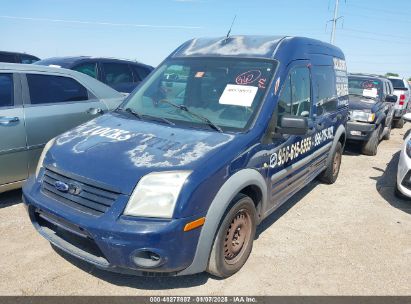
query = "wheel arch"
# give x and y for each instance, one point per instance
(246, 181)
(340, 136)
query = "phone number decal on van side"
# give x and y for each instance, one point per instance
(290, 152)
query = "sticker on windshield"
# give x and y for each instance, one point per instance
(248, 77)
(373, 92)
(238, 95)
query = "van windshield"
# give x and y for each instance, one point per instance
(225, 91)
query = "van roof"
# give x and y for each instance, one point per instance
(265, 47)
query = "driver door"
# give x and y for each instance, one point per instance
(290, 154)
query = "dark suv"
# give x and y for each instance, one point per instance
(121, 75)
(371, 103)
(13, 57)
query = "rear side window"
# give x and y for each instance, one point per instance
(6, 90)
(140, 72)
(46, 89)
(115, 73)
(26, 59)
(397, 83)
(325, 91)
(7, 57)
(295, 96)
(89, 69)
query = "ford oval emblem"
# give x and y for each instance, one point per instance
(60, 186)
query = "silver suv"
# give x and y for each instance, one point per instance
(38, 103)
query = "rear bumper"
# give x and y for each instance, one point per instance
(359, 130)
(111, 241)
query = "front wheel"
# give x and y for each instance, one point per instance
(370, 147)
(388, 134)
(329, 176)
(234, 240)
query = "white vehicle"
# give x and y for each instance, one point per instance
(403, 91)
(404, 166)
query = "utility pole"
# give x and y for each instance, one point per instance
(334, 21)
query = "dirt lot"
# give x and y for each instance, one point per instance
(350, 238)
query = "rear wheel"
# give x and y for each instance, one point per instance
(329, 176)
(370, 147)
(234, 240)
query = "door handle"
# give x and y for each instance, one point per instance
(8, 120)
(94, 111)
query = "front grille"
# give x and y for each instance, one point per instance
(90, 199)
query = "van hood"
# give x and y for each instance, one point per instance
(117, 151)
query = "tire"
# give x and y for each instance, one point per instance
(399, 194)
(330, 175)
(231, 249)
(370, 147)
(388, 134)
(399, 124)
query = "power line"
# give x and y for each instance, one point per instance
(376, 39)
(375, 33)
(103, 23)
(379, 10)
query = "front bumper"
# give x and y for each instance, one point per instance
(404, 174)
(112, 241)
(359, 130)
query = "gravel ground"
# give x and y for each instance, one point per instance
(350, 238)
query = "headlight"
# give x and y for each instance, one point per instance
(43, 155)
(362, 116)
(156, 194)
(408, 148)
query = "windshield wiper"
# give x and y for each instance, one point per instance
(203, 118)
(131, 111)
(142, 116)
(158, 119)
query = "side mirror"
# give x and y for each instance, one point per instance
(293, 125)
(391, 98)
(407, 117)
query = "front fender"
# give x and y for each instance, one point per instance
(380, 118)
(219, 205)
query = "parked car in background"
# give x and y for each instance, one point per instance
(121, 75)
(403, 91)
(36, 104)
(175, 182)
(371, 110)
(403, 187)
(13, 57)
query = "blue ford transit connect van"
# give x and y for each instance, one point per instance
(176, 180)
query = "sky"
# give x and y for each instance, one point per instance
(374, 35)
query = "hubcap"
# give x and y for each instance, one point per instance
(237, 236)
